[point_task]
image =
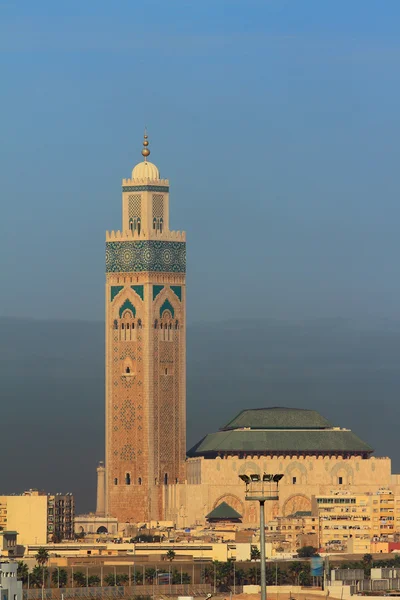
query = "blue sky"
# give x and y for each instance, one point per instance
(276, 122)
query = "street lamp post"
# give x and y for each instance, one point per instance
(262, 488)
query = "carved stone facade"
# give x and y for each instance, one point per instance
(145, 351)
(212, 481)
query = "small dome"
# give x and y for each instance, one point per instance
(145, 170)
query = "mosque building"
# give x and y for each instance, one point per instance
(148, 473)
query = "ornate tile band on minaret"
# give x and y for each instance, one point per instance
(151, 255)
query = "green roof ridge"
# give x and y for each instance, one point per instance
(277, 417)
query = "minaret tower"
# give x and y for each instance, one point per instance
(145, 350)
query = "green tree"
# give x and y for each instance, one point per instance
(180, 577)
(93, 580)
(109, 579)
(171, 555)
(59, 577)
(307, 552)
(367, 561)
(137, 577)
(294, 571)
(255, 553)
(150, 575)
(122, 579)
(22, 572)
(240, 576)
(42, 557)
(38, 577)
(254, 575)
(79, 579)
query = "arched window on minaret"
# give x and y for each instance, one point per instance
(166, 479)
(128, 479)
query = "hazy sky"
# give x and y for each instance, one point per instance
(277, 123)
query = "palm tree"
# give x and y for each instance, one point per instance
(254, 575)
(150, 575)
(255, 553)
(294, 570)
(59, 577)
(38, 576)
(23, 572)
(80, 579)
(171, 555)
(93, 580)
(122, 579)
(42, 557)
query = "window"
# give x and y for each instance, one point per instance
(340, 480)
(140, 481)
(115, 481)
(166, 479)
(127, 370)
(128, 479)
(294, 480)
(115, 324)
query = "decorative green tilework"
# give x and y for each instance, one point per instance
(127, 305)
(145, 188)
(148, 255)
(177, 289)
(156, 290)
(139, 290)
(115, 289)
(167, 306)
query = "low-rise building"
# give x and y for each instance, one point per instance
(38, 517)
(293, 531)
(11, 587)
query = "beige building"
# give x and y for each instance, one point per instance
(26, 514)
(147, 473)
(288, 534)
(38, 517)
(343, 517)
(385, 514)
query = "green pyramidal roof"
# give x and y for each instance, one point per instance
(278, 418)
(283, 431)
(223, 511)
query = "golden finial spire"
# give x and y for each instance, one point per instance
(145, 151)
